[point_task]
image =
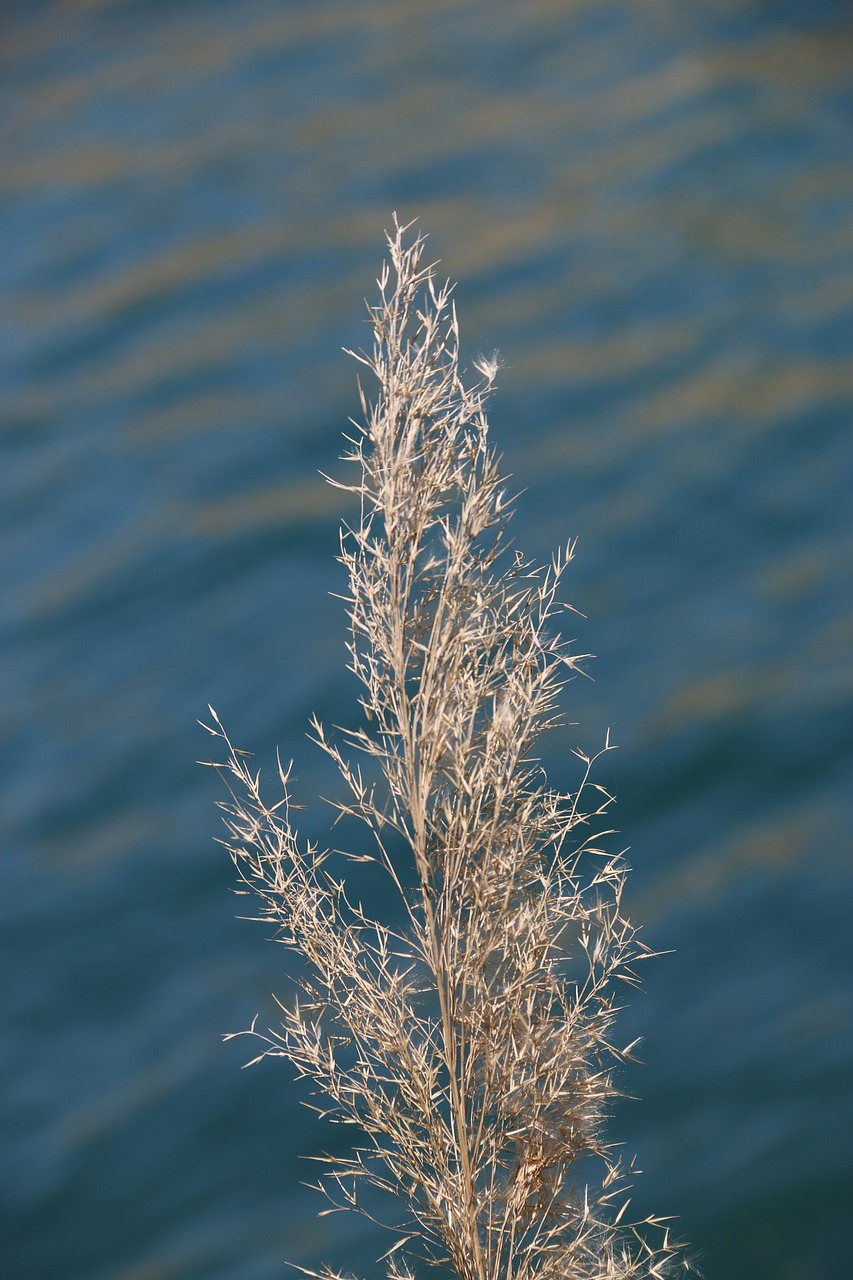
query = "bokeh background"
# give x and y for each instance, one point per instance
(649, 208)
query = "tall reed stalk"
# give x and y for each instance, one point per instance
(469, 1037)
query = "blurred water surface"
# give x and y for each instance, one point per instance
(649, 208)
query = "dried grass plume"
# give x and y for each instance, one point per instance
(471, 1037)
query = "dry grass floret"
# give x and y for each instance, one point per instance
(472, 1043)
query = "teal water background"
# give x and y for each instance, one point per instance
(649, 208)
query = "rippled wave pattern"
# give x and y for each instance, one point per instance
(649, 208)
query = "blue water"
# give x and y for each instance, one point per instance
(649, 209)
